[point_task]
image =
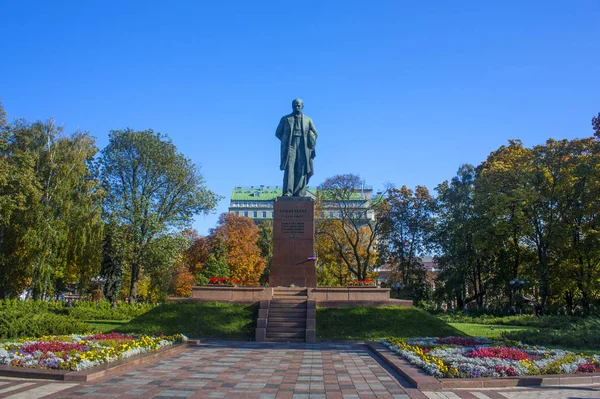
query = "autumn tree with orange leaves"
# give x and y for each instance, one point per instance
(240, 236)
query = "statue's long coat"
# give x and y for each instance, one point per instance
(284, 132)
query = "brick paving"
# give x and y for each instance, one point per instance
(220, 369)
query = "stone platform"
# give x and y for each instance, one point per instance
(324, 296)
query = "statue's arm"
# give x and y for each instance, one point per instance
(312, 128)
(279, 131)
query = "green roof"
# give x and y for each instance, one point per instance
(267, 193)
(262, 193)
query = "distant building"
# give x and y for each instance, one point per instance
(256, 202)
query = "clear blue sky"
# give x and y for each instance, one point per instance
(400, 92)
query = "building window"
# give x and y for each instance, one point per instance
(330, 214)
(264, 215)
(255, 214)
(246, 213)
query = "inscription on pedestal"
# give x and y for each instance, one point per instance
(293, 229)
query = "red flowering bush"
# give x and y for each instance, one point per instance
(499, 353)
(230, 281)
(588, 367)
(52, 346)
(460, 341)
(362, 283)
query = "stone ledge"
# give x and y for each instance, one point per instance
(100, 371)
(414, 375)
(424, 381)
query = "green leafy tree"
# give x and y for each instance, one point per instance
(112, 266)
(51, 228)
(405, 236)
(151, 190)
(159, 264)
(265, 244)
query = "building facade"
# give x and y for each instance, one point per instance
(256, 202)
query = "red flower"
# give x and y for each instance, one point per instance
(588, 367)
(499, 353)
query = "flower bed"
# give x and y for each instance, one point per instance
(79, 352)
(459, 357)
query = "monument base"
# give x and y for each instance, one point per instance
(293, 262)
(324, 296)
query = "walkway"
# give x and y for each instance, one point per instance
(221, 369)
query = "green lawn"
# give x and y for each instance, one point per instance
(370, 322)
(487, 330)
(105, 326)
(196, 320)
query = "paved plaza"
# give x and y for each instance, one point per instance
(221, 369)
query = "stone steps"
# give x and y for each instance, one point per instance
(284, 318)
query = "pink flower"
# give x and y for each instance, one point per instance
(499, 353)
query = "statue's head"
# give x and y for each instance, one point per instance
(297, 105)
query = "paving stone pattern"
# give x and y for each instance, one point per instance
(228, 370)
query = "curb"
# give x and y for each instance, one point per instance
(100, 371)
(424, 381)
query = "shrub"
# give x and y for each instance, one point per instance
(15, 323)
(105, 311)
(583, 335)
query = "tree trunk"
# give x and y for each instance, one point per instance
(135, 276)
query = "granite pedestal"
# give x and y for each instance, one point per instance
(294, 259)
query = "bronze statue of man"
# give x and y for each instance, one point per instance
(298, 140)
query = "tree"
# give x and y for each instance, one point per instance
(454, 235)
(331, 270)
(240, 236)
(355, 231)
(160, 261)
(405, 236)
(50, 225)
(498, 201)
(112, 266)
(265, 243)
(151, 190)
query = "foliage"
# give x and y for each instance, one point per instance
(239, 236)
(183, 283)
(525, 214)
(197, 319)
(558, 322)
(265, 243)
(151, 189)
(371, 322)
(50, 225)
(15, 324)
(35, 319)
(159, 266)
(214, 268)
(83, 310)
(583, 335)
(407, 227)
(351, 237)
(112, 266)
